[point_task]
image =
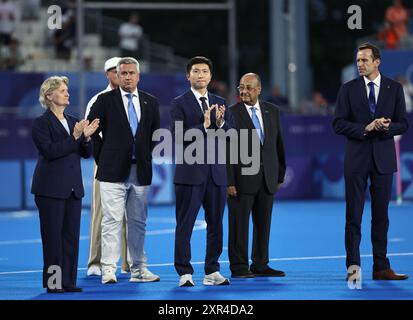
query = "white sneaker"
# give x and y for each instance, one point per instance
(143, 275)
(186, 281)
(123, 271)
(94, 270)
(109, 276)
(215, 279)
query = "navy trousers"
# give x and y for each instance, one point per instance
(380, 191)
(189, 199)
(60, 228)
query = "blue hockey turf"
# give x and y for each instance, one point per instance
(307, 242)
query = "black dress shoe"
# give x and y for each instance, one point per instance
(267, 272)
(55, 290)
(245, 274)
(72, 289)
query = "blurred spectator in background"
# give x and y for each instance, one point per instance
(279, 99)
(389, 37)
(30, 9)
(10, 56)
(317, 105)
(397, 16)
(65, 39)
(408, 91)
(129, 35)
(8, 14)
(219, 88)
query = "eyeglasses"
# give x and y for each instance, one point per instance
(248, 88)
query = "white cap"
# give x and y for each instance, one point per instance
(111, 63)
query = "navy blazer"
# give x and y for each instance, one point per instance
(352, 115)
(186, 108)
(58, 171)
(113, 152)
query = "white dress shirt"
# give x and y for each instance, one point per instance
(135, 100)
(377, 83)
(65, 125)
(257, 112)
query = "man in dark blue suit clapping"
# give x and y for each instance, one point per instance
(198, 183)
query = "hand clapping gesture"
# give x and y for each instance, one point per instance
(83, 127)
(220, 113)
(207, 116)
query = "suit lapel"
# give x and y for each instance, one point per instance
(144, 110)
(245, 117)
(265, 113)
(56, 124)
(193, 106)
(193, 102)
(212, 100)
(381, 101)
(362, 93)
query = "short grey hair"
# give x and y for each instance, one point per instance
(48, 86)
(127, 60)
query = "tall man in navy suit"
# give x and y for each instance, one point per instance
(370, 111)
(199, 183)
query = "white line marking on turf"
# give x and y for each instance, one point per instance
(199, 225)
(402, 254)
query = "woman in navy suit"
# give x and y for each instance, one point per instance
(57, 183)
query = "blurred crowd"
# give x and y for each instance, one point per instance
(394, 34)
(11, 12)
(314, 104)
(63, 40)
(395, 31)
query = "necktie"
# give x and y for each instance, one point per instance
(204, 104)
(133, 118)
(257, 124)
(372, 99)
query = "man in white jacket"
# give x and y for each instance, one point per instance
(94, 267)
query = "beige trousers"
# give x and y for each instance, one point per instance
(95, 248)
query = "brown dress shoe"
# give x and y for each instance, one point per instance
(388, 274)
